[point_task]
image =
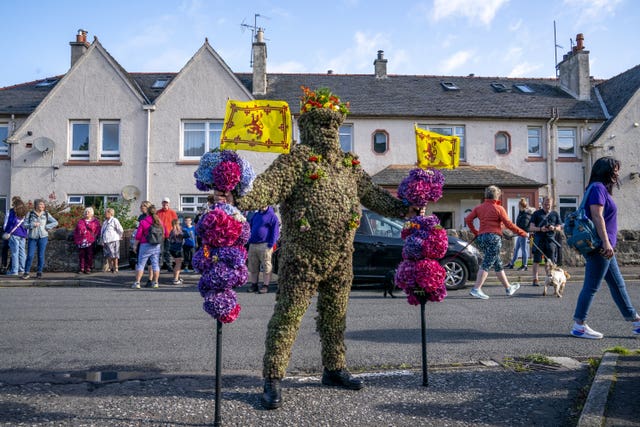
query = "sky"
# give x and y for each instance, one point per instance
(489, 38)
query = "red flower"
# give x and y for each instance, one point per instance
(355, 162)
(314, 176)
(313, 158)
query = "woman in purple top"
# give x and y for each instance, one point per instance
(601, 264)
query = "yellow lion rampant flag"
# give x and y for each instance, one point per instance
(260, 125)
(437, 151)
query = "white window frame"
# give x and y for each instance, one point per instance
(346, 137)
(532, 139)
(79, 154)
(109, 154)
(567, 204)
(506, 139)
(4, 147)
(456, 130)
(210, 127)
(192, 202)
(570, 138)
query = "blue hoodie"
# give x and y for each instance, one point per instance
(265, 227)
(12, 221)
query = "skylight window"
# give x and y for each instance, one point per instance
(47, 83)
(160, 84)
(524, 88)
(449, 86)
(499, 87)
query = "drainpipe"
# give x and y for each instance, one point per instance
(148, 108)
(551, 147)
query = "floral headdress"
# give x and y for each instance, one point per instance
(420, 275)
(224, 232)
(321, 98)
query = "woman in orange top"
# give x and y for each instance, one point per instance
(492, 217)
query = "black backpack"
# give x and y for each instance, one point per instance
(155, 235)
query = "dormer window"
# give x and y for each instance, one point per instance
(523, 88)
(160, 83)
(47, 83)
(499, 87)
(449, 86)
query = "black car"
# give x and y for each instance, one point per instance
(378, 251)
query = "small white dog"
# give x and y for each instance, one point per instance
(558, 279)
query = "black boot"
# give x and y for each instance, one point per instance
(253, 287)
(272, 395)
(341, 378)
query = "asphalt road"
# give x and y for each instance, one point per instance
(62, 329)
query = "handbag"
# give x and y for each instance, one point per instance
(7, 236)
(580, 231)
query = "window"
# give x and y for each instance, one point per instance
(524, 88)
(346, 137)
(3, 204)
(567, 142)
(502, 143)
(534, 142)
(4, 134)
(446, 219)
(449, 131)
(160, 83)
(192, 203)
(380, 142)
(47, 83)
(97, 201)
(449, 86)
(567, 204)
(79, 140)
(110, 137)
(200, 137)
(499, 87)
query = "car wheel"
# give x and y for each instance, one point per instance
(457, 273)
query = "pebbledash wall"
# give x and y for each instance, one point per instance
(62, 254)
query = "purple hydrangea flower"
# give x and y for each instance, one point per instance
(219, 304)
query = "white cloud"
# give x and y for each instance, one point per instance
(358, 58)
(455, 61)
(524, 69)
(475, 10)
(593, 10)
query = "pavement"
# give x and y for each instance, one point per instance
(565, 392)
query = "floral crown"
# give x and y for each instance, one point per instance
(321, 98)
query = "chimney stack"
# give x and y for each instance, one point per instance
(380, 66)
(259, 51)
(574, 72)
(79, 47)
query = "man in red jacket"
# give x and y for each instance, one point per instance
(166, 215)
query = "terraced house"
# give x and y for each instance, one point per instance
(100, 132)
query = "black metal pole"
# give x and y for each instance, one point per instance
(425, 379)
(217, 422)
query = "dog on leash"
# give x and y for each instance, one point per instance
(557, 278)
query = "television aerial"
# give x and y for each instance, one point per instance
(44, 144)
(130, 192)
(254, 30)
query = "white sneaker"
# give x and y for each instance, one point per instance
(584, 331)
(512, 289)
(178, 282)
(478, 293)
(135, 285)
(155, 285)
(636, 328)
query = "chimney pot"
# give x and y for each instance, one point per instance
(329, 71)
(580, 41)
(381, 54)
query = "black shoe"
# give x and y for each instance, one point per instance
(272, 395)
(522, 267)
(535, 283)
(509, 266)
(253, 287)
(341, 378)
(149, 284)
(38, 275)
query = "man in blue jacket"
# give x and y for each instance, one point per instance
(265, 231)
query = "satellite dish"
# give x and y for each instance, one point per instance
(43, 144)
(130, 192)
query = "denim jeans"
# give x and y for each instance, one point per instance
(18, 255)
(599, 268)
(152, 252)
(41, 245)
(522, 244)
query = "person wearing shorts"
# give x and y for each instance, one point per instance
(265, 230)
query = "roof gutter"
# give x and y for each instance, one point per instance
(551, 146)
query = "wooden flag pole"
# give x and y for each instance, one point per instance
(217, 422)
